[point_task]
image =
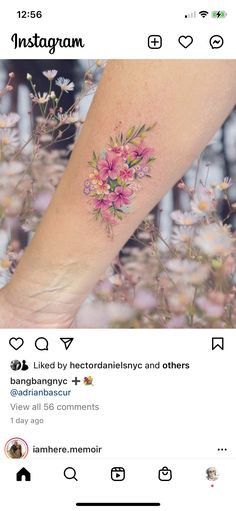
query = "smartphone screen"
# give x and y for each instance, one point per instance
(117, 256)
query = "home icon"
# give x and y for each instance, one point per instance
(23, 474)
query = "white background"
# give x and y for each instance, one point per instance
(147, 419)
(119, 29)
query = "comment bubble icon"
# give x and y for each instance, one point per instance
(41, 344)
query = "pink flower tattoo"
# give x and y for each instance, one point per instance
(121, 196)
(109, 167)
(111, 187)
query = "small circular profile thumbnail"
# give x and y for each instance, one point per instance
(212, 474)
(16, 448)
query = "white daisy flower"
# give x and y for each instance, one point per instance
(8, 120)
(180, 299)
(41, 99)
(50, 74)
(182, 234)
(214, 240)
(70, 118)
(225, 184)
(182, 266)
(9, 137)
(203, 202)
(186, 218)
(11, 168)
(188, 271)
(65, 84)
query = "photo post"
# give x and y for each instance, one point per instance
(118, 255)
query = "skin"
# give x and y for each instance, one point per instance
(188, 101)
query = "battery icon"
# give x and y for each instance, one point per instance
(218, 14)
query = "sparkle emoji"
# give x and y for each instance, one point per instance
(88, 380)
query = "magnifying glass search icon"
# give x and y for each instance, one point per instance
(70, 473)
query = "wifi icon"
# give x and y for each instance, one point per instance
(203, 14)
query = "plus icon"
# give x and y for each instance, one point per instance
(75, 381)
(154, 42)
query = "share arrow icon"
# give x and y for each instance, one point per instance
(67, 341)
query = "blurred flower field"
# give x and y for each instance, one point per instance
(187, 280)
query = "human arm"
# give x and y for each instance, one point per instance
(186, 101)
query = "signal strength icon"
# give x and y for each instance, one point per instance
(203, 14)
(191, 15)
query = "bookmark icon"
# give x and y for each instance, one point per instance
(218, 342)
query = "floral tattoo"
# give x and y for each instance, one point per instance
(116, 175)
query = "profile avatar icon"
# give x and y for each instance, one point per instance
(16, 448)
(24, 366)
(211, 474)
(16, 365)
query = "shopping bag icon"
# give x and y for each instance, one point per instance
(165, 474)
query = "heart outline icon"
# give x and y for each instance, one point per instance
(185, 40)
(17, 344)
